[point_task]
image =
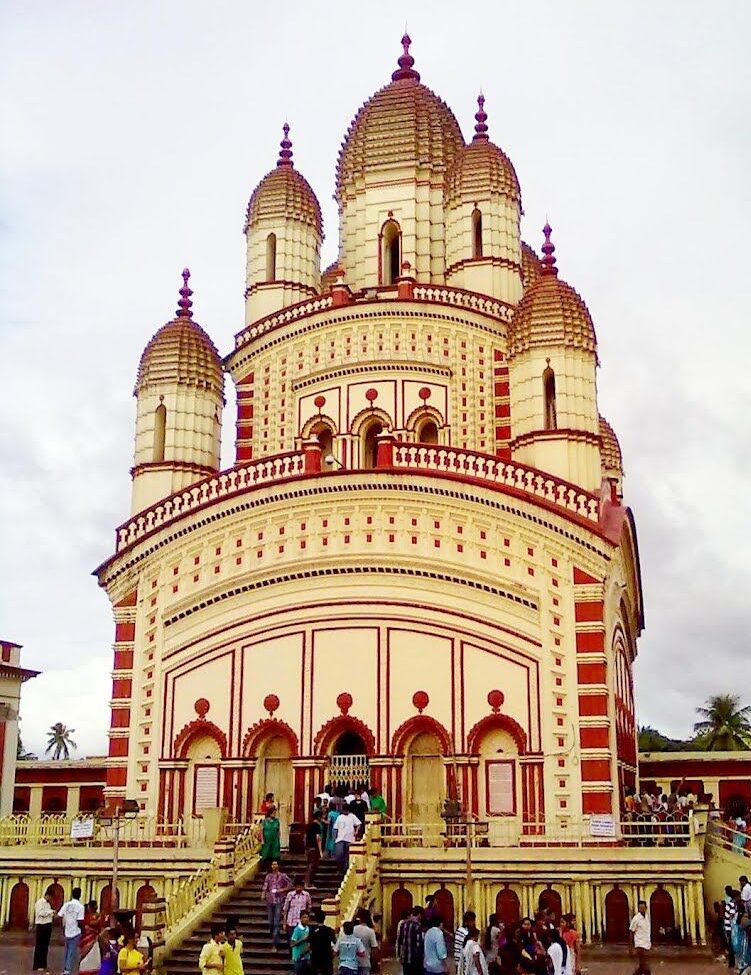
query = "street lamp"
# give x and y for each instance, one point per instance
(330, 459)
(128, 810)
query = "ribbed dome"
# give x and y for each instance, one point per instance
(404, 123)
(181, 352)
(481, 167)
(531, 266)
(285, 194)
(610, 450)
(551, 312)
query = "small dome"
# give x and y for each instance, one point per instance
(404, 123)
(531, 266)
(329, 276)
(481, 167)
(551, 312)
(181, 352)
(284, 194)
(610, 449)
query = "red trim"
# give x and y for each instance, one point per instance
(417, 724)
(268, 728)
(597, 802)
(332, 729)
(199, 728)
(491, 721)
(500, 761)
(582, 578)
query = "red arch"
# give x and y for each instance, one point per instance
(492, 721)
(617, 916)
(329, 732)
(18, 910)
(418, 724)
(269, 728)
(401, 901)
(507, 907)
(200, 728)
(143, 894)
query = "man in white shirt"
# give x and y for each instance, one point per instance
(43, 915)
(745, 893)
(641, 932)
(345, 831)
(366, 934)
(72, 914)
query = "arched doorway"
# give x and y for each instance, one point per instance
(507, 907)
(550, 900)
(105, 899)
(143, 894)
(402, 903)
(617, 917)
(275, 774)
(427, 432)
(444, 904)
(57, 895)
(499, 774)
(662, 915)
(369, 444)
(425, 779)
(18, 909)
(325, 437)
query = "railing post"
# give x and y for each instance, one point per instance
(358, 858)
(224, 851)
(385, 451)
(312, 451)
(154, 919)
(330, 907)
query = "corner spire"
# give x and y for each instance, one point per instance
(481, 118)
(285, 152)
(548, 249)
(405, 62)
(185, 305)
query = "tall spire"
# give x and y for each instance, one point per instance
(481, 118)
(548, 249)
(406, 62)
(285, 152)
(185, 305)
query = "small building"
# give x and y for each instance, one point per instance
(56, 787)
(725, 776)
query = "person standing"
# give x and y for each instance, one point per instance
(271, 847)
(300, 944)
(745, 894)
(322, 941)
(211, 959)
(275, 887)
(641, 933)
(130, 961)
(363, 930)
(43, 914)
(472, 960)
(233, 949)
(409, 943)
(296, 903)
(90, 957)
(572, 941)
(345, 832)
(349, 949)
(313, 841)
(72, 913)
(434, 947)
(460, 935)
(729, 913)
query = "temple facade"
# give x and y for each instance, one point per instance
(419, 569)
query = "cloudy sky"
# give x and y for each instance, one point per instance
(132, 135)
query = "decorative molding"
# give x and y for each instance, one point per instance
(418, 724)
(197, 729)
(497, 720)
(268, 728)
(337, 726)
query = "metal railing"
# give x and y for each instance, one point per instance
(23, 830)
(729, 838)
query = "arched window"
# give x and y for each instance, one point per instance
(325, 437)
(427, 432)
(391, 258)
(160, 431)
(548, 386)
(370, 444)
(271, 257)
(476, 233)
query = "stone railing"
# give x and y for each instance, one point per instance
(360, 879)
(291, 314)
(463, 299)
(191, 893)
(517, 478)
(23, 830)
(266, 470)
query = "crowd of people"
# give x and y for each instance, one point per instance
(734, 925)
(92, 941)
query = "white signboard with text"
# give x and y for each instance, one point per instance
(602, 825)
(82, 829)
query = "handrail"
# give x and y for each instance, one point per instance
(190, 893)
(55, 829)
(729, 838)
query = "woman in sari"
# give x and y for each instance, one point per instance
(331, 817)
(89, 943)
(109, 950)
(271, 847)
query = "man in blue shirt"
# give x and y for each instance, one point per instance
(349, 949)
(435, 954)
(300, 943)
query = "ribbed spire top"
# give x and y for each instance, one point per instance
(285, 151)
(481, 118)
(405, 62)
(548, 249)
(185, 305)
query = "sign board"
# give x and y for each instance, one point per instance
(602, 825)
(82, 829)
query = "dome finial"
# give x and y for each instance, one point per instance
(406, 62)
(548, 249)
(285, 152)
(481, 118)
(185, 305)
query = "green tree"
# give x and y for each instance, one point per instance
(652, 740)
(21, 753)
(724, 725)
(59, 741)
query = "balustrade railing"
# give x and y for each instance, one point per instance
(23, 830)
(190, 893)
(727, 837)
(484, 467)
(291, 314)
(463, 299)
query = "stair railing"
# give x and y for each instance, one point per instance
(360, 878)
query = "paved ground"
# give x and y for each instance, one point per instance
(16, 953)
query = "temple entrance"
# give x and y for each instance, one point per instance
(426, 781)
(275, 774)
(348, 763)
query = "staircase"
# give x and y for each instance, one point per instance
(245, 902)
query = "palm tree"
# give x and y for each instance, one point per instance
(724, 725)
(59, 741)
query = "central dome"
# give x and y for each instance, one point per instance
(403, 124)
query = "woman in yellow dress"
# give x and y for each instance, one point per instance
(233, 947)
(130, 960)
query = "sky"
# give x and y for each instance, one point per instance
(131, 137)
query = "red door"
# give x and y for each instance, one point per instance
(507, 907)
(18, 913)
(444, 904)
(617, 917)
(550, 900)
(401, 904)
(662, 914)
(145, 893)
